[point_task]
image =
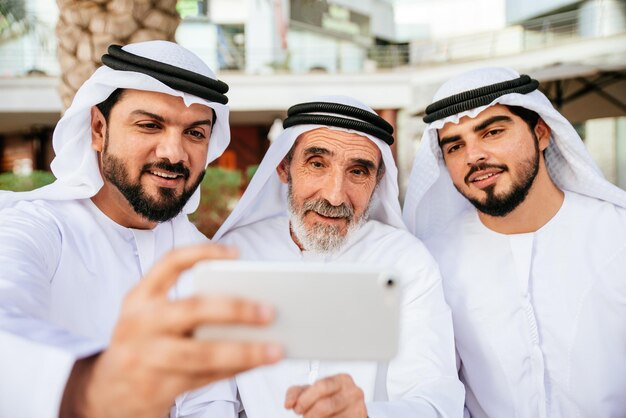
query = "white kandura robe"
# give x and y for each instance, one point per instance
(66, 268)
(420, 382)
(540, 318)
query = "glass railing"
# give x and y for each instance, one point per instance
(568, 27)
(35, 53)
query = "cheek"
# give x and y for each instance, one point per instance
(456, 170)
(360, 197)
(198, 156)
(302, 185)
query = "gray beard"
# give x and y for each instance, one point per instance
(321, 238)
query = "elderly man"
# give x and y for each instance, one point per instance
(130, 154)
(531, 241)
(326, 191)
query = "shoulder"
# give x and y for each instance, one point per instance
(463, 227)
(263, 229)
(582, 203)
(186, 232)
(395, 239)
(595, 219)
(378, 241)
(37, 213)
(32, 233)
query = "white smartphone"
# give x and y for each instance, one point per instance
(326, 311)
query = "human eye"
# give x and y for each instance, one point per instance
(493, 132)
(360, 171)
(150, 126)
(316, 163)
(452, 148)
(197, 134)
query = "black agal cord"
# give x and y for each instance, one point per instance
(481, 96)
(362, 120)
(175, 77)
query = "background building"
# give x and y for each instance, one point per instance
(390, 54)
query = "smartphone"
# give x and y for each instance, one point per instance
(325, 311)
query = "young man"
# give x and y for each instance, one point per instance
(326, 191)
(78, 255)
(531, 242)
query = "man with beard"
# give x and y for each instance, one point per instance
(326, 191)
(531, 241)
(79, 335)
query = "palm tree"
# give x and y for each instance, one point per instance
(87, 27)
(14, 21)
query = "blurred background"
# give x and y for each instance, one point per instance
(390, 54)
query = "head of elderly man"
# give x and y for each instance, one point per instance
(331, 177)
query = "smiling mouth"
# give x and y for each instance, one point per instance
(484, 177)
(329, 217)
(165, 175)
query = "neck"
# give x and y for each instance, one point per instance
(543, 201)
(113, 204)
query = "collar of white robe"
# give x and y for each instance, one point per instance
(174, 77)
(340, 116)
(481, 96)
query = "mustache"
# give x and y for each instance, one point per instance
(324, 208)
(482, 166)
(178, 168)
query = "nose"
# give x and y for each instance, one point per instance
(475, 153)
(333, 189)
(171, 147)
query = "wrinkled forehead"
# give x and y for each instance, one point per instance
(336, 140)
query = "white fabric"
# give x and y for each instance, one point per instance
(65, 270)
(266, 196)
(540, 318)
(420, 382)
(432, 202)
(65, 265)
(75, 164)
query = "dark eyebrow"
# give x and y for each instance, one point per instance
(150, 115)
(201, 122)
(489, 121)
(484, 124)
(369, 164)
(317, 151)
(162, 119)
(448, 139)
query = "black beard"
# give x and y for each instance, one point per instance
(154, 210)
(503, 205)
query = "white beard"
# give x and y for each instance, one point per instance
(321, 238)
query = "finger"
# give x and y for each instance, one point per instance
(184, 315)
(331, 406)
(292, 395)
(196, 358)
(167, 270)
(320, 389)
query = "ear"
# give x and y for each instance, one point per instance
(283, 171)
(542, 131)
(98, 129)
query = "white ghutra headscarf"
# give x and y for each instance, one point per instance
(266, 196)
(76, 165)
(432, 202)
